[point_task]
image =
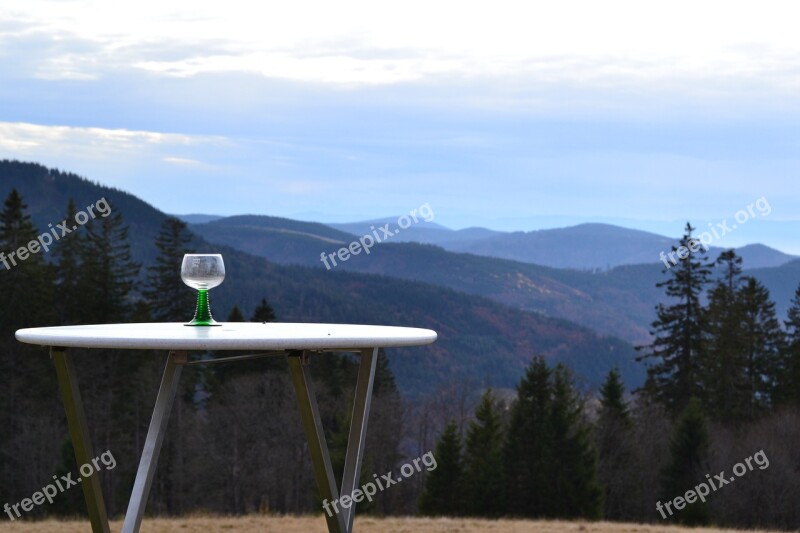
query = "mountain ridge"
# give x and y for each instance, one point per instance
(480, 340)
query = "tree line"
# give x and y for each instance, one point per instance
(723, 383)
(235, 443)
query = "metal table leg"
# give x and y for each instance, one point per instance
(152, 446)
(342, 521)
(79, 433)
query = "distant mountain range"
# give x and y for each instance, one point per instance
(482, 290)
(582, 247)
(591, 246)
(620, 301)
(482, 341)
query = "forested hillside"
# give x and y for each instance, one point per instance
(474, 333)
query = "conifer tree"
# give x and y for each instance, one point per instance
(442, 494)
(385, 384)
(527, 453)
(27, 380)
(263, 312)
(789, 384)
(574, 469)
(235, 315)
(26, 280)
(109, 265)
(169, 299)
(612, 397)
(688, 464)
(679, 329)
(71, 280)
(484, 477)
(762, 343)
(615, 447)
(724, 363)
(550, 462)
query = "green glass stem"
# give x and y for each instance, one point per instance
(202, 315)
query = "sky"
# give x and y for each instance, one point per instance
(507, 115)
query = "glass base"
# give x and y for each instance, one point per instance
(202, 314)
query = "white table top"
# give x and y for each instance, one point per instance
(229, 336)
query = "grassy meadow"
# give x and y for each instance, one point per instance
(305, 524)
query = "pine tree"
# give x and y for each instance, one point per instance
(27, 380)
(263, 312)
(688, 463)
(550, 462)
(442, 494)
(612, 397)
(679, 329)
(789, 384)
(385, 384)
(527, 453)
(71, 280)
(574, 469)
(26, 280)
(108, 264)
(615, 446)
(235, 315)
(723, 366)
(763, 343)
(169, 299)
(484, 480)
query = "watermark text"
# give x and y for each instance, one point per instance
(62, 229)
(700, 491)
(60, 484)
(378, 235)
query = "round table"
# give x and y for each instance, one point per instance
(296, 341)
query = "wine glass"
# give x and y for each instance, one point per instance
(202, 272)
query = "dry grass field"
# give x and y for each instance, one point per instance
(290, 524)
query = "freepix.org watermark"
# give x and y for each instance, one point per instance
(370, 489)
(60, 484)
(716, 232)
(380, 234)
(713, 484)
(62, 229)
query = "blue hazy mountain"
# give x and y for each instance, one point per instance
(588, 246)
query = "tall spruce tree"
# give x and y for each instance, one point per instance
(763, 344)
(169, 299)
(550, 461)
(724, 362)
(615, 447)
(71, 279)
(484, 477)
(789, 384)
(574, 469)
(27, 380)
(442, 494)
(26, 280)
(527, 453)
(688, 463)
(263, 312)
(679, 329)
(612, 398)
(109, 265)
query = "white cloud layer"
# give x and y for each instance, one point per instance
(31, 138)
(680, 44)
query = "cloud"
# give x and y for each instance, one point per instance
(683, 46)
(183, 161)
(24, 140)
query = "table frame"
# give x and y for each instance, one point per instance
(341, 522)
